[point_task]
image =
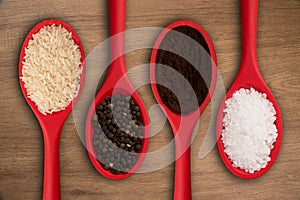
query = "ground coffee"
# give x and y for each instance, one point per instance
(182, 53)
(118, 133)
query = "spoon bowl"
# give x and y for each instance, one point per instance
(116, 82)
(183, 125)
(51, 124)
(103, 93)
(248, 76)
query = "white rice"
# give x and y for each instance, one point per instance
(249, 130)
(51, 69)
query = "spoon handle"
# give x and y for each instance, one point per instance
(51, 163)
(117, 17)
(249, 11)
(182, 184)
(183, 133)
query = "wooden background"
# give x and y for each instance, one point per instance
(21, 146)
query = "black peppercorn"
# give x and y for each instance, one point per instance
(118, 133)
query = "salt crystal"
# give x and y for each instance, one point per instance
(249, 131)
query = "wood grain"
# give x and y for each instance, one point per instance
(21, 147)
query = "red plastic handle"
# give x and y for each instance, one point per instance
(51, 163)
(249, 11)
(182, 184)
(117, 16)
(183, 133)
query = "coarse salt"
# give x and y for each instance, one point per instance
(249, 130)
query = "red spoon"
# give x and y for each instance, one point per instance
(182, 125)
(249, 76)
(51, 124)
(116, 82)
